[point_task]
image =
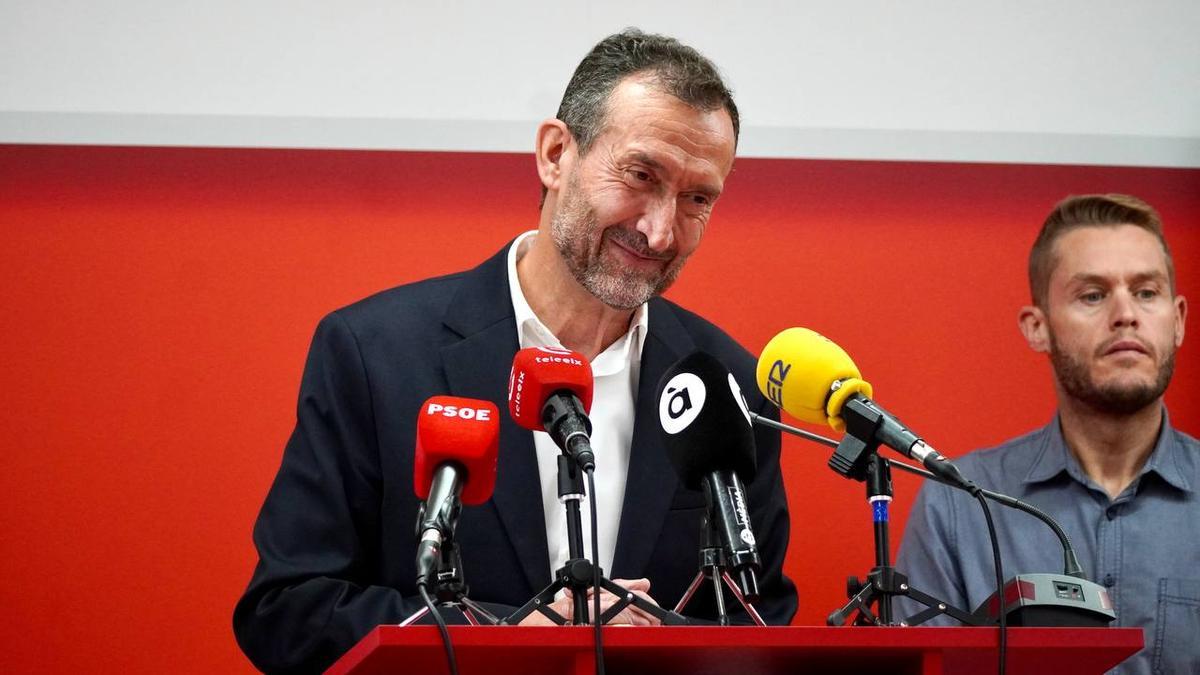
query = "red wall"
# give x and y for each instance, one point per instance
(158, 303)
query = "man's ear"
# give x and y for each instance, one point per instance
(1180, 319)
(554, 142)
(1033, 325)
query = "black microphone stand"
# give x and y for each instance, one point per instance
(858, 459)
(884, 582)
(713, 566)
(576, 574)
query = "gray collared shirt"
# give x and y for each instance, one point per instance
(1144, 546)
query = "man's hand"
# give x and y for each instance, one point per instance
(564, 607)
(629, 616)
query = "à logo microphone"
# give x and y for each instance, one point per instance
(681, 402)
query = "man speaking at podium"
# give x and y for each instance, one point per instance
(630, 168)
(1110, 468)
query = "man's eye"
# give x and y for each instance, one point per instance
(1147, 293)
(701, 200)
(640, 176)
(1092, 296)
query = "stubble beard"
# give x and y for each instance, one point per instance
(1113, 399)
(576, 231)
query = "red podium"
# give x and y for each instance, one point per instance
(699, 650)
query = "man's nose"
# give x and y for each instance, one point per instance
(1124, 309)
(658, 224)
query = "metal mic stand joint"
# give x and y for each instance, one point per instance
(715, 567)
(451, 590)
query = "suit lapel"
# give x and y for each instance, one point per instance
(651, 482)
(477, 366)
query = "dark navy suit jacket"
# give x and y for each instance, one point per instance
(336, 537)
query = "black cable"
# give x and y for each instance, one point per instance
(441, 624)
(1070, 561)
(595, 572)
(987, 515)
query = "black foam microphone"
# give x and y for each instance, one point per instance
(707, 434)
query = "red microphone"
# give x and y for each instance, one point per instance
(551, 390)
(458, 441)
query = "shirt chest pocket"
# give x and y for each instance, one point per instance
(1177, 627)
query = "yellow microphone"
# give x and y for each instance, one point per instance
(814, 380)
(807, 375)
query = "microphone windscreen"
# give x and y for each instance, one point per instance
(465, 431)
(704, 421)
(798, 371)
(540, 372)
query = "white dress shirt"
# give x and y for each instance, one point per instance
(613, 404)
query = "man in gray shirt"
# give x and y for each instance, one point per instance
(1110, 468)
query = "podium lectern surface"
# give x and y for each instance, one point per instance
(700, 650)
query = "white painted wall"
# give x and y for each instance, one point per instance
(1079, 81)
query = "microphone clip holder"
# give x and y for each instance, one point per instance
(577, 574)
(564, 418)
(859, 447)
(883, 582)
(451, 590)
(714, 567)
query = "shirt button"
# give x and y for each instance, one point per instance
(1109, 581)
(1111, 512)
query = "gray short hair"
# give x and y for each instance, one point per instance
(676, 68)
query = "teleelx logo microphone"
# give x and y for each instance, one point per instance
(557, 356)
(681, 402)
(516, 385)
